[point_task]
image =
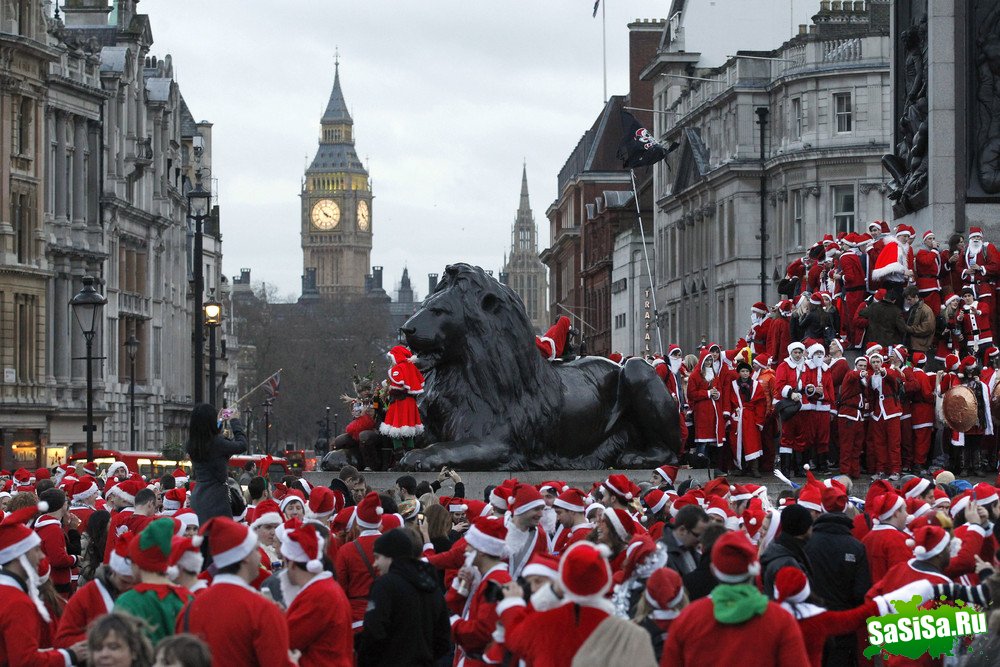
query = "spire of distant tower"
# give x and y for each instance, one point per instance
(336, 107)
(525, 206)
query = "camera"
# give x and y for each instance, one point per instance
(493, 592)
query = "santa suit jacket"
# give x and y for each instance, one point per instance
(819, 378)
(789, 379)
(778, 338)
(125, 518)
(748, 417)
(548, 638)
(975, 323)
(354, 575)
(818, 624)
(568, 538)
(772, 639)
(759, 335)
(886, 547)
(853, 272)
(985, 277)
(241, 627)
(709, 418)
(319, 624)
(474, 619)
(21, 625)
(50, 529)
(921, 393)
(837, 369)
(94, 599)
(853, 390)
(883, 401)
(927, 269)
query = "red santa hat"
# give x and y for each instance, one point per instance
(400, 353)
(542, 565)
(759, 308)
(639, 548)
(621, 487)
(303, 544)
(875, 226)
(717, 487)
(616, 357)
(585, 574)
(668, 473)
(917, 486)
(918, 359)
(815, 299)
(762, 360)
(524, 498)
(119, 561)
(43, 473)
(928, 542)
(941, 498)
(986, 494)
(267, 513)
(969, 362)
(915, 508)
(187, 517)
(554, 487)
(785, 307)
(904, 230)
(180, 476)
(185, 555)
(656, 500)
(664, 591)
(716, 506)
(571, 500)
(834, 498)
(975, 231)
(621, 522)
(391, 522)
(795, 345)
(960, 502)
(873, 350)
(791, 585)
(324, 502)
(453, 505)
(294, 496)
(488, 535)
(228, 541)
(992, 351)
(899, 352)
(885, 505)
(753, 520)
(89, 468)
(83, 489)
(551, 344)
(23, 477)
(369, 514)
(150, 549)
(952, 362)
(734, 558)
(16, 539)
(500, 493)
(173, 499)
(476, 508)
(883, 226)
(127, 489)
(929, 234)
(881, 293)
(344, 520)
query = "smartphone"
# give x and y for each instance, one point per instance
(421, 518)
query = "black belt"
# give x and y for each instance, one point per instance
(854, 289)
(919, 276)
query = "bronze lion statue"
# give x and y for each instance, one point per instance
(491, 402)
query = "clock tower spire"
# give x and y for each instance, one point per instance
(336, 205)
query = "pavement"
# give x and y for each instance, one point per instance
(476, 482)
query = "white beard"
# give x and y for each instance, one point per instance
(516, 539)
(717, 366)
(34, 581)
(288, 589)
(975, 247)
(816, 362)
(708, 373)
(674, 364)
(549, 520)
(545, 598)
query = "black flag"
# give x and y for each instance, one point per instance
(638, 148)
(596, 5)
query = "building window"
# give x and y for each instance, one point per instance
(797, 205)
(843, 208)
(796, 119)
(842, 107)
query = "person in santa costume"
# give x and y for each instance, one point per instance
(737, 624)
(662, 601)
(879, 233)
(232, 617)
(883, 435)
(929, 266)
(978, 266)
(523, 537)
(894, 266)
(885, 544)
(473, 595)
(583, 625)
(186, 562)
(921, 393)
(970, 444)
(748, 408)
(675, 376)
(84, 495)
(789, 382)
(570, 507)
(931, 554)
(407, 620)
(23, 615)
(154, 599)
(402, 420)
(779, 334)
(318, 613)
(58, 529)
(852, 276)
(354, 562)
(552, 345)
(97, 596)
(704, 393)
(760, 324)
(973, 317)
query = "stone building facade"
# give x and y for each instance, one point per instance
(522, 271)
(826, 98)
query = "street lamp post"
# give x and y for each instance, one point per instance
(198, 203)
(87, 305)
(131, 347)
(213, 318)
(267, 424)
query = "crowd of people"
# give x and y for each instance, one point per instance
(850, 369)
(121, 571)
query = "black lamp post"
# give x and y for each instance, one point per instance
(87, 305)
(198, 203)
(213, 318)
(131, 347)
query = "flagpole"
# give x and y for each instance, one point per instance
(645, 254)
(266, 380)
(604, 47)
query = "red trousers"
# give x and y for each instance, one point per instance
(852, 439)
(906, 440)
(817, 432)
(793, 433)
(922, 445)
(933, 299)
(883, 438)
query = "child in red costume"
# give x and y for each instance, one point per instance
(402, 420)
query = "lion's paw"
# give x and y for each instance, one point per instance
(421, 460)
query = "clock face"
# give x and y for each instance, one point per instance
(363, 216)
(325, 214)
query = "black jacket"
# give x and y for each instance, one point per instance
(406, 624)
(840, 566)
(211, 492)
(699, 582)
(784, 551)
(676, 554)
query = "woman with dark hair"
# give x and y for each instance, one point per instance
(437, 526)
(117, 640)
(183, 650)
(209, 451)
(93, 539)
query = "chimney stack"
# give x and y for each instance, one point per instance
(376, 277)
(432, 281)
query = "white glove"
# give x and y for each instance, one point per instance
(922, 588)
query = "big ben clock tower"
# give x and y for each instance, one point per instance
(337, 206)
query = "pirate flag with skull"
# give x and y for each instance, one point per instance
(638, 148)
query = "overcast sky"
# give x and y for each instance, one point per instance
(447, 96)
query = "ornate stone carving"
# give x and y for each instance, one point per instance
(866, 188)
(908, 165)
(984, 99)
(812, 190)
